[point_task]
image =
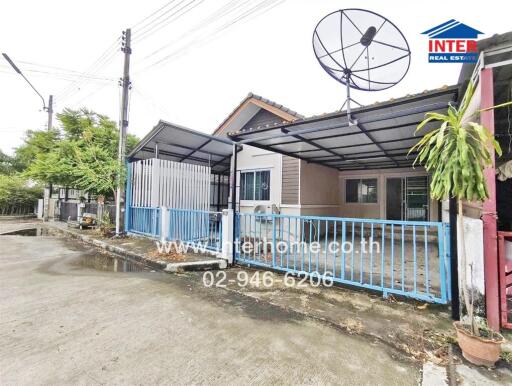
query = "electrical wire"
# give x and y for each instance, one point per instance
(151, 24)
(149, 100)
(254, 12)
(203, 24)
(104, 59)
(225, 10)
(62, 75)
(262, 7)
(74, 87)
(98, 89)
(165, 22)
(152, 14)
(59, 69)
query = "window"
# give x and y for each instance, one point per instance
(361, 190)
(255, 185)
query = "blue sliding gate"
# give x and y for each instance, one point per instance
(196, 227)
(408, 258)
(143, 220)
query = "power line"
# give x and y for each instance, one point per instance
(150, 100)
(165, 22)
(64, 75)
(105, 58)
(67, 70)
(74, 87)
(151, 23)
(227, 9)
(98, 89)
(203, 24)
(257, 10)
(153, 13)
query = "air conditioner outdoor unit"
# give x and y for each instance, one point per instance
(266, 209)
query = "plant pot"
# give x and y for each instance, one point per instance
(478, 350)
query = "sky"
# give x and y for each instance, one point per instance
(193, 61)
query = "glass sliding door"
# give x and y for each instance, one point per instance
(407, 198)
(416, 198)
(394, 199)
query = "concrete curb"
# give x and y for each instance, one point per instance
(196, 265)
(156, 265)
(20, 217)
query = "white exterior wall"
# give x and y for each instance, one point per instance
(474, 240)
(252, 158)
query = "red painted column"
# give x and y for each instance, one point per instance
(489, 210)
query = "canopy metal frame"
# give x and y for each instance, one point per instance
(180, 144)
(381, 138)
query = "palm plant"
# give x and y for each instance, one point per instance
(456, 154)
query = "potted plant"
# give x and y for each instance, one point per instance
(455, 154)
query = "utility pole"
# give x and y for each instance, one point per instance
(50, 112)
(127, 49)
(49, 109)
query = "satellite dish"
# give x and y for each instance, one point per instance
(362, 50)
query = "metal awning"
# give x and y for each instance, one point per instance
(381, 139)
(177, 143)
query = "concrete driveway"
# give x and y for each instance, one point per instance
(67, 318)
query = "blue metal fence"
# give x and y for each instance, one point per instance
(143, 220)
(409, 258)
(196, 227)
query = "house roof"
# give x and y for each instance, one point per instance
(341, 113)
(452, 29)
(281, 111)
(180, 144)
(382, 137)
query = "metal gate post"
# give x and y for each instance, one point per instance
(447, 261)
(489, 209)
(128, 197)
(228, 250)
(164, 224)
(505, 279)
(442, 253)
(274, 245)
(233, 203)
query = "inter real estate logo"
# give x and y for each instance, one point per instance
(452, 42)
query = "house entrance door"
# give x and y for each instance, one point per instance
(407, 198)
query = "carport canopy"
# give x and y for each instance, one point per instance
(172, 142)
(382, 137)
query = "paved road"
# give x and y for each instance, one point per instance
(63, 321)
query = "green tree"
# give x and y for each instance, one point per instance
(7, 164)
(456, 154)
(17, 193)
(36, 142)
(86, 155)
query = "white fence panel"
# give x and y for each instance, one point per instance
(157, 182)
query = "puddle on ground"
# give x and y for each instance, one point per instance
(110, 263)
(39, 231)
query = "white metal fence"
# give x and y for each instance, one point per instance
(156, 183)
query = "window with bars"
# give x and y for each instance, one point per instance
(361, 190)
(255, 185)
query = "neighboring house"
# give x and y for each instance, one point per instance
(60, 202)
(268, 178)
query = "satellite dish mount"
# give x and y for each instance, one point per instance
(348, 99)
